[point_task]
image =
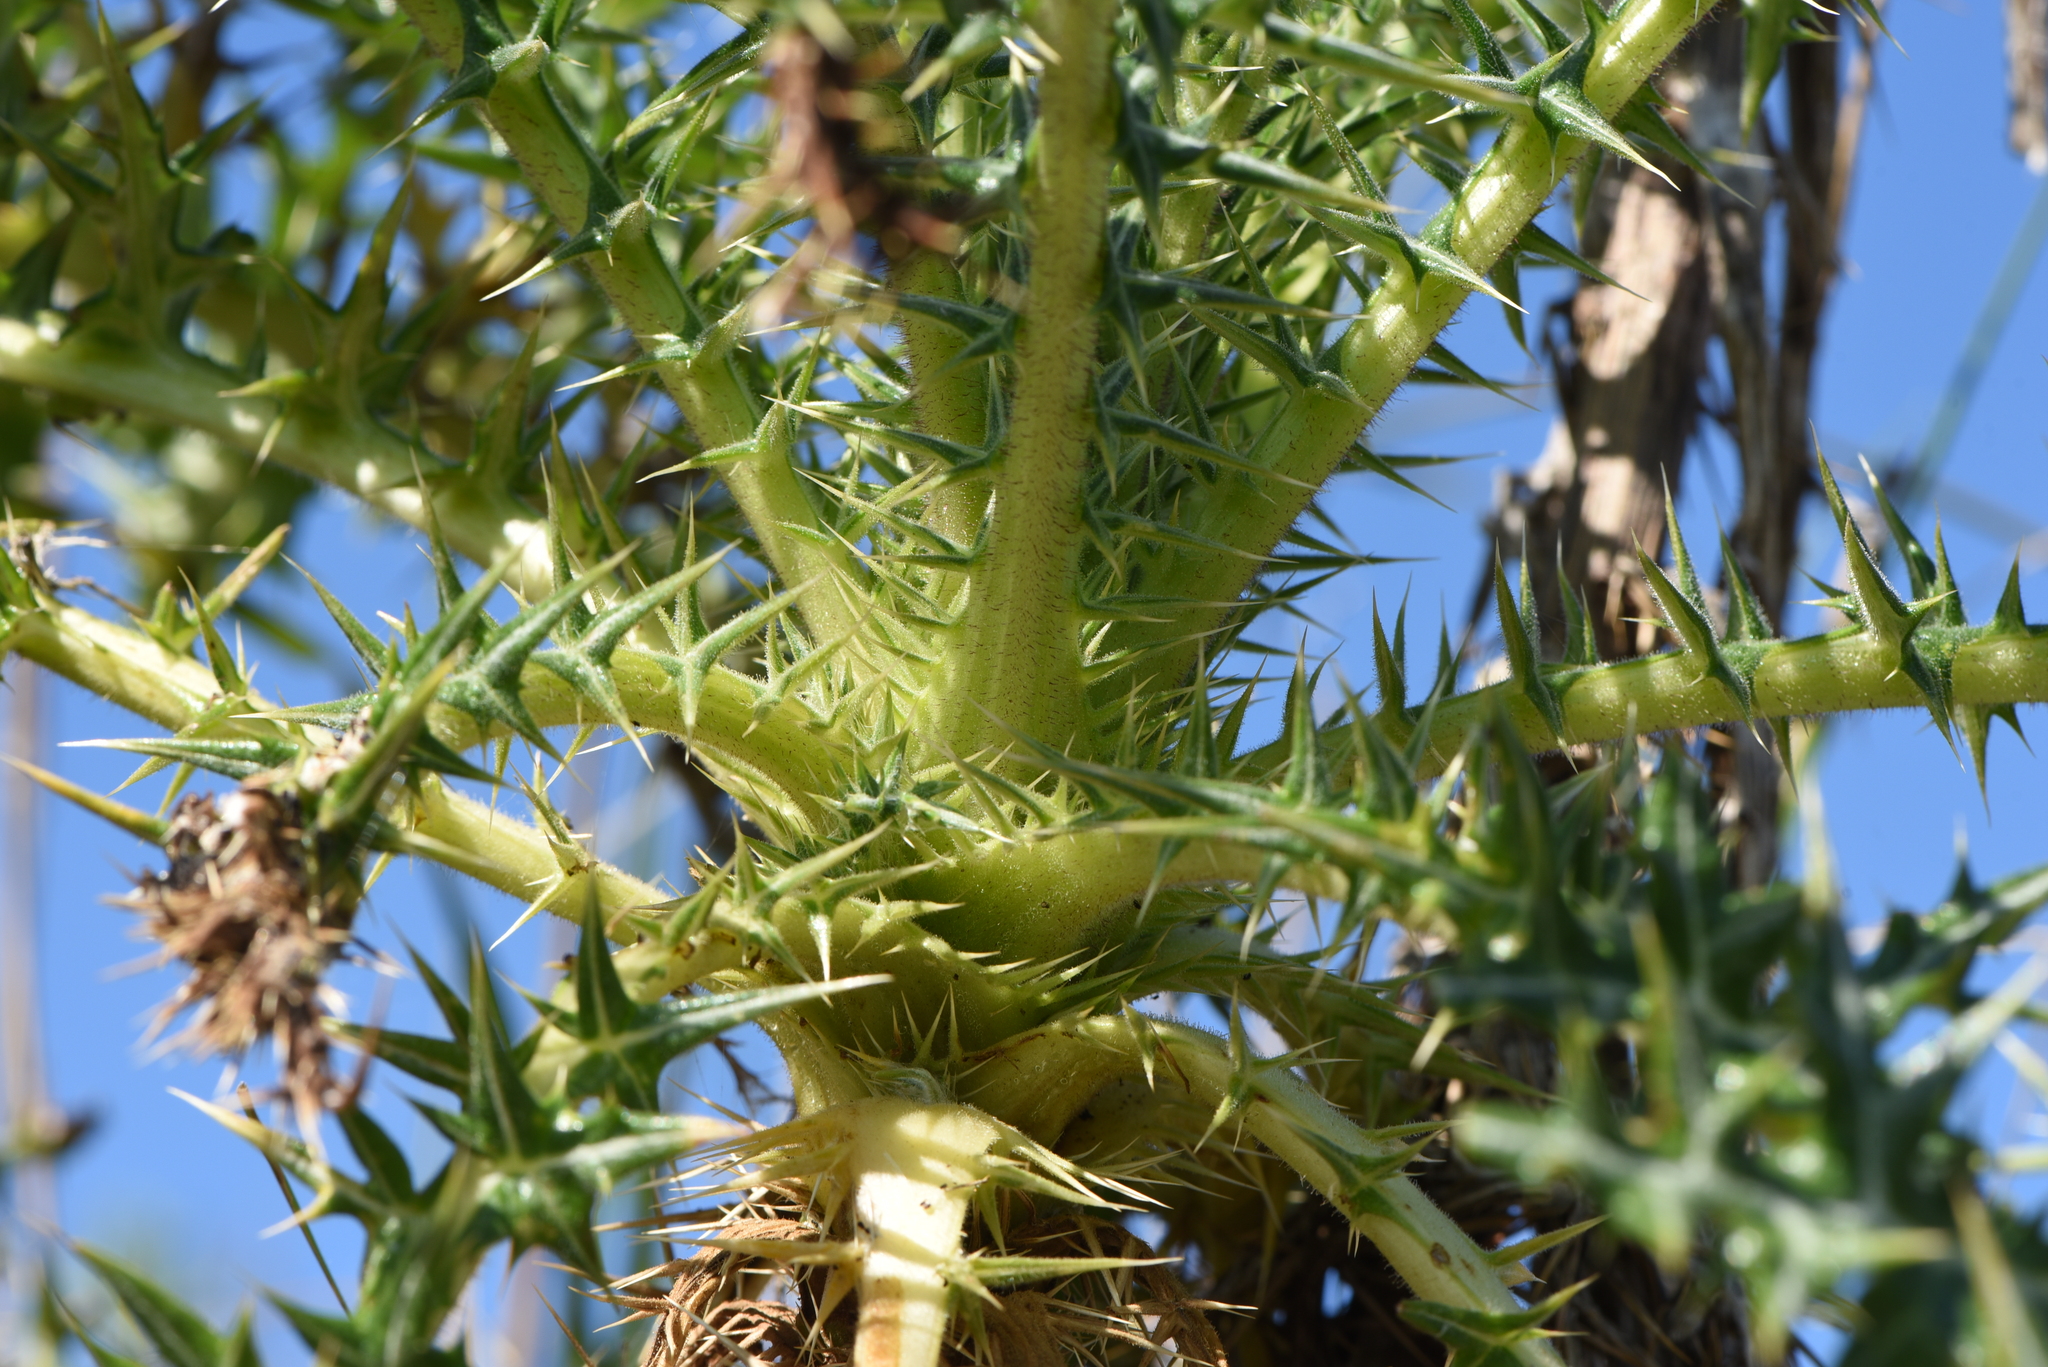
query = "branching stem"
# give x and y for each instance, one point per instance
(1397, 327)
(637, 280)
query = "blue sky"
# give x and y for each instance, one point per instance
(1937, 200)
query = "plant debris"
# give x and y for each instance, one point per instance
(241, 906)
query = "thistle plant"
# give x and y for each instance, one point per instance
(966, 378)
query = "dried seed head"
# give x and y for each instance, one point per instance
(244, 905)
(831, 128)
(707, 1319)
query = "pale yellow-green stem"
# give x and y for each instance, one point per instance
(1820, 675)
(173, 690)
(1015, 661)
(515, 856)
(951, 403)
(1044, 898)
(917, 1165)
(820, 1076)
(773, 763)
(118, 663)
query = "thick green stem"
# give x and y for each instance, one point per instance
(1016, 659)
(118, 663)
(1074, 891)
(371, 462)
(1398, 325)
(773, 764)
(952, 402)
(1185, 215)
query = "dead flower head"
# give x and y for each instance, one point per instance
(830, 126)
(243, 905)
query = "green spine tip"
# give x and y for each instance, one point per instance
(2011, 617)
(1523, 662)
(1681, 558)
(1746, 619)
(1945, 598)
(1579, 647)
(1921, 575)
(1688, 621)
(1389, 666)
(138, 824)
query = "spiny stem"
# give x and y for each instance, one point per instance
(773, 764)
(175, 691)
(1820, 675)
(509, 854)
(637, 280)
(1016, 660)
(1397, 326)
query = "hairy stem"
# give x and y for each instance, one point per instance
(1016, 659)
(1185, 215)
(952, 402)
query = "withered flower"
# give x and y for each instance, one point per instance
(248, 904)
(830, 130)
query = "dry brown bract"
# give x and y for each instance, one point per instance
(823, 159)
(702, 1322)
(237, 904)
(1096, 1317)
(1130, 1315)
